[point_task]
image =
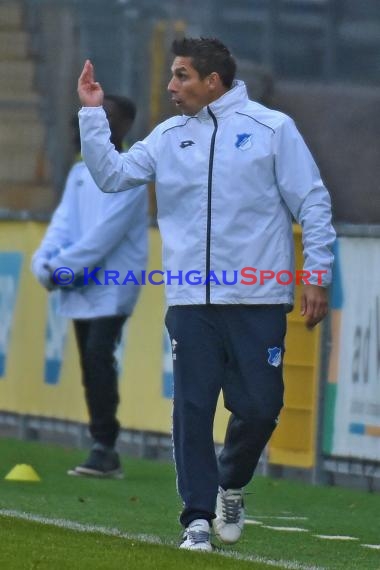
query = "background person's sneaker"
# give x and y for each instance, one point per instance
(197, 536)
(102, 462)
(229, 521)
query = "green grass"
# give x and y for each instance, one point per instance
(146, 502)
(28, 545)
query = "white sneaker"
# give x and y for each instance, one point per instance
(197, 536)
(229, 521)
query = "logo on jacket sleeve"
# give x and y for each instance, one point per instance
(184, 144)
(244, 141)
(274, 357)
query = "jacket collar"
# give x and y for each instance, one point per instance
(228, 103)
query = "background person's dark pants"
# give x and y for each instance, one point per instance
(223, 347)
(97, 340)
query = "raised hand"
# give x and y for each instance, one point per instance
(90, 91)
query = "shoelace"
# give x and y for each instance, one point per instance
(231, 506)
(196, 536)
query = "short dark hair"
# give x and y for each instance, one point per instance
(126, 106)
(208, 55)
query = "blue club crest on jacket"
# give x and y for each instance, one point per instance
(274, 357)
(244, 141)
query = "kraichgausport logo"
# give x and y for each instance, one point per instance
(249, 276)
(244, 141)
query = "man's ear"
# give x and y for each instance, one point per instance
(213, 81)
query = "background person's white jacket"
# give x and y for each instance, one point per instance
(89, 229)
(228, 181)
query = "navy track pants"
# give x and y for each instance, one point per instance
(237, 349)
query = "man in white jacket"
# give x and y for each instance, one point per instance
(90, 234)
(229, 176)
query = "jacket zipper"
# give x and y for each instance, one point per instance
(209, 192)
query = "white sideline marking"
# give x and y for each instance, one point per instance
(283, 518)
(373, 546)
(335, 537)
(285, 528)
(146, 538)
(252, 521)
(80, 527)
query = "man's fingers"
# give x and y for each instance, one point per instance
(317, 311)
(307, 306)
(87, 75)
(89, 69)
(314, 305)
(303, 305)
(90, 92)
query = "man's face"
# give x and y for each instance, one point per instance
(189, 92)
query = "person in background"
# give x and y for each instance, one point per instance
(229, 174)
(101, 233)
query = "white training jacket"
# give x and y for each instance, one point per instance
(228, 181)
(91, 229)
